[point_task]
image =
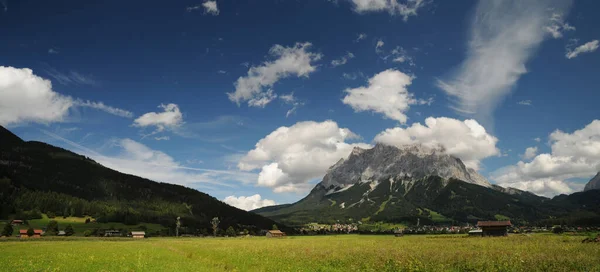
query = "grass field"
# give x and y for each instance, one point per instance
(543, 252)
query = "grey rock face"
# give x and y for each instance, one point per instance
(593, 184)
(412, 162)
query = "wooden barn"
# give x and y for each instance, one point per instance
(275, 233)
(494, 228)
(37, 233)
(138, 234)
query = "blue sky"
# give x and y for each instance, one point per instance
(521, 71)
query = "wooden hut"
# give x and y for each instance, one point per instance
(37, 233)
(494, 228)
(275, 233)
(138, 234)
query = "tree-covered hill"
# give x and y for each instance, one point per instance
(39, 178)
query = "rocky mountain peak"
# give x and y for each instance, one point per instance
(406, 162)
(593, 184)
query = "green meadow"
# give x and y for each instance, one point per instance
(540, 252)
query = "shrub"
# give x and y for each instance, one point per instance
(87, 233)
(8, 230)
(30, 232)
(230, 232)
(52, 228)
(557, 230)
(69, 230)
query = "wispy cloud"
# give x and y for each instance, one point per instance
(137, 159)
(504, 36)
(342, 60)
(69, 78)
(394, 7)
(210, 7)
(360, 37)
(103, 107)
(290, 99)
(52, 51)
(584, 48)
(525, 102)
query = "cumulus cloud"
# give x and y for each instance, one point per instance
(467, 139)
(290, 61)
(170, 118)
(584, 48)
(343, 60)
(137, 159)
(248, 203)
(210, 7)
(394, 7)
(530, 153)
(21, 91)
(386, 93)
(504, 36)
(573, 155)
(289, 158)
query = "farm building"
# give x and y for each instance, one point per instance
(494, 228)
(61, 233)
(112, 233)
(16, 222)
(37, 233)
(476, 232)
(138, 234)
(275, 233)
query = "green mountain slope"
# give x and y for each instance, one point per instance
(37, 177)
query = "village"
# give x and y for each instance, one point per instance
(20, 228)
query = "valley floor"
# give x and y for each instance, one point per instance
(540, 252)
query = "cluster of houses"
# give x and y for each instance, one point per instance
(37, 233)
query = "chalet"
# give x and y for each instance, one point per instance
(37, 233)
(138, 234)
(275, 233)
(16, 222)
(494, 228)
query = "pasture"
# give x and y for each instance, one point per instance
(540, 252)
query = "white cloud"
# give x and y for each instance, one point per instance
(585, 48)
(574, 155)
(537, 139)
(343, 60)
(353, 76)
(137, 159)
(386, 94)
(291, 61)
(170, 118)
(262, 99)
(26, 97)
(222, 72)
(467, 140)
(52, 51)
(290, 99)
(248, 203)
(378, 46)
(524, 102)
(530, 153)
(103, 107)
(290, 157)
(504, 36)
(400, 55)
(162, 138)
(557, 26)
(210, 7)
(404, 8)
(360, 37)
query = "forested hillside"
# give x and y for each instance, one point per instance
(39, 178)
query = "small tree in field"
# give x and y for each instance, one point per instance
(8, 230)
(275, 227)
(52, 228)
(30, 232)
(69, 230)
(230, 232)
(215, 225)
(178, 225)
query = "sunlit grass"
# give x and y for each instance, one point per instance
(544, 252)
